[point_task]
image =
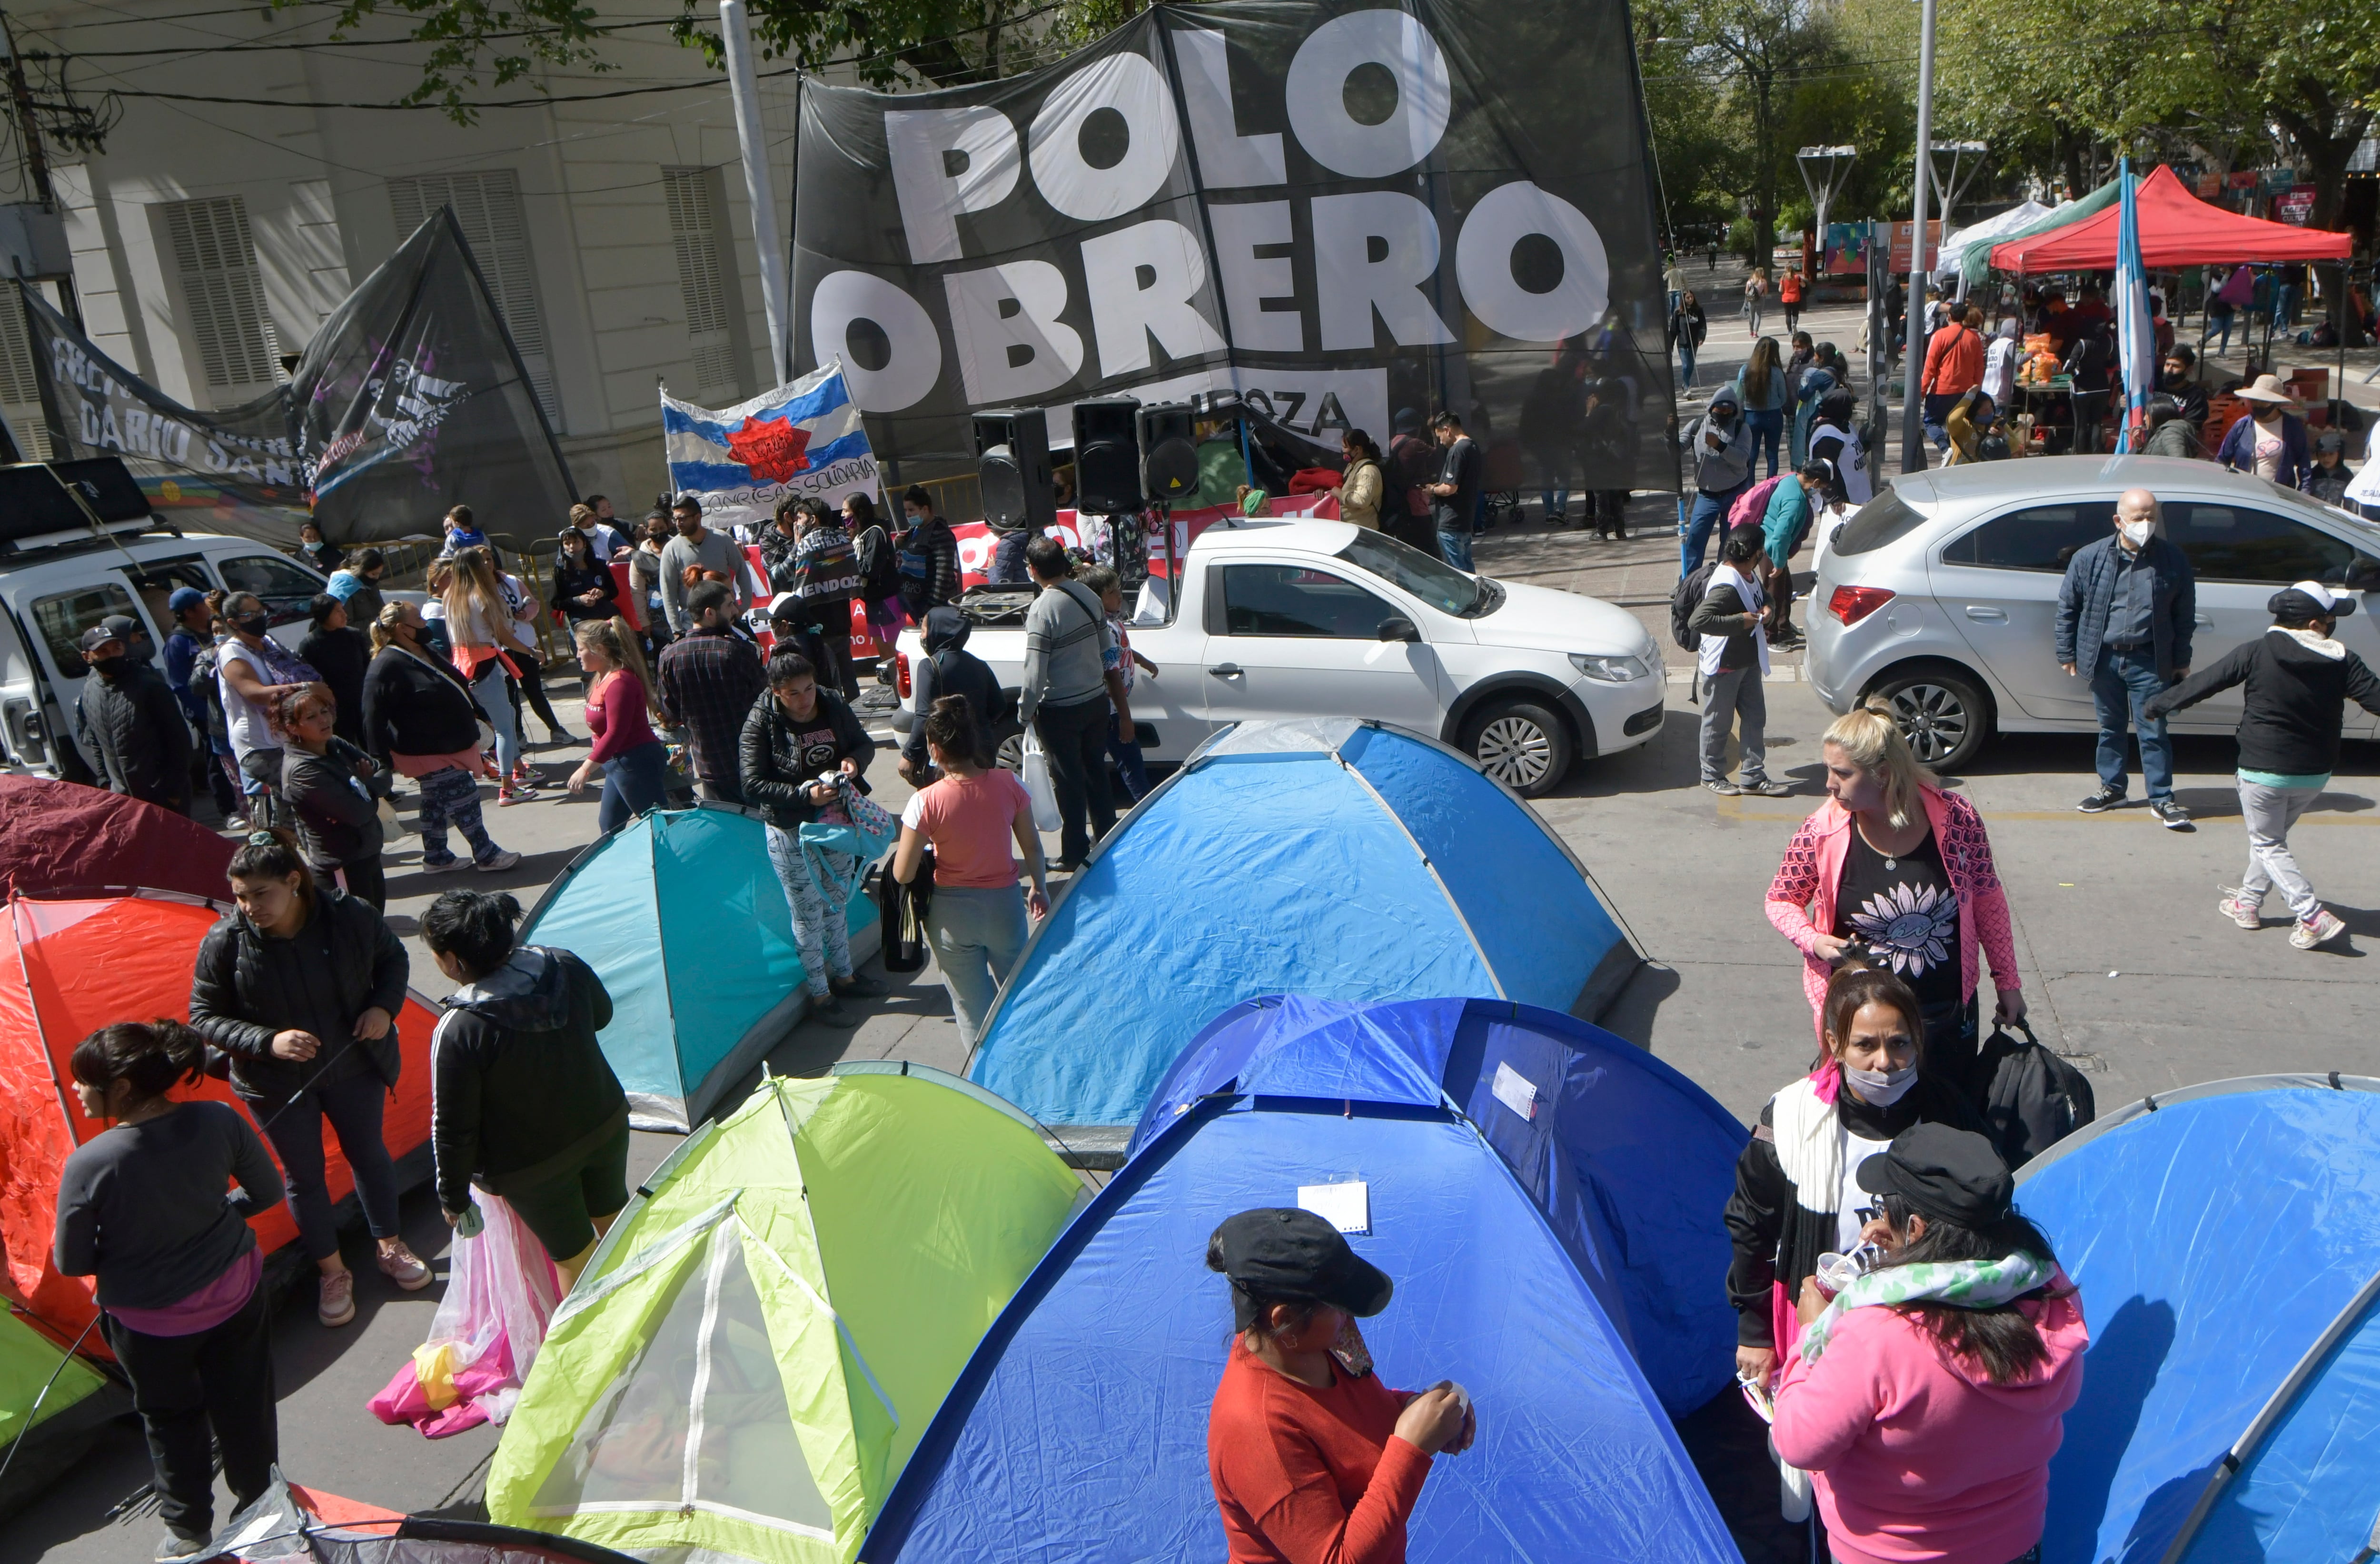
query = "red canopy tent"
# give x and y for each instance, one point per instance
(2177, 229)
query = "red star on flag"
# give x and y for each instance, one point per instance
(772, 451)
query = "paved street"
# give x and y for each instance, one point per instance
(2123, 956)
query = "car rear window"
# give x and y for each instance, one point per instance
(1886, 519)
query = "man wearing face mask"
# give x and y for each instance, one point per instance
(2125, 613)
(127, 717)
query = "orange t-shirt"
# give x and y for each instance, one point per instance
(1308, 1476)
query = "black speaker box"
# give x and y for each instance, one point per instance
(1012, 459)
(1107, 457)
(1169, 453)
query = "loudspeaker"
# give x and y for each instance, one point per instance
(1012, 459)
(1168, 451)
(1107, 457)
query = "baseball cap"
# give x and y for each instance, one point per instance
(1946, 1175)
(184, 598)
(2310, 599)
(97, 637)
(122, 626)
(1282, 1252)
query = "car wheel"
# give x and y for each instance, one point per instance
(1011, 752)
(1520, 744)
(1945, 716)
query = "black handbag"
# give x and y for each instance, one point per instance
(902, 912)
(2031, 1096)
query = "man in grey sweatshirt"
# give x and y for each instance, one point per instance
(1065, 697)
(713, 551)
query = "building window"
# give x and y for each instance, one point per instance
(222, 293)
(487, 206)
(713, 303)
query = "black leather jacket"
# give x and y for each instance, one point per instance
(248, 985)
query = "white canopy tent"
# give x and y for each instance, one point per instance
(1945, 267)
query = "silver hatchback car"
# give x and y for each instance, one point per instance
(1941, 593)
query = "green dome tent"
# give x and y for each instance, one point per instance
(753, 1353)
(52, 1405)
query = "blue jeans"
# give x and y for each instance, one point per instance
(494, 693)
(2218, 330)
(1129, 764)
(1709, 512)
(1937, 408)
(2122, 682)
(1455, 547)
(633, 782)
(1768, 427)
(1685, 362)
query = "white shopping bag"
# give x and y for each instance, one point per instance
(1037, 786)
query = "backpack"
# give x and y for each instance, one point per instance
(879, 566)
(2030, 1096)
(827, 573)
(203, 675)
(1752, 505)
(1684, 601)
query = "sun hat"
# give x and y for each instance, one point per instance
(2267, 389)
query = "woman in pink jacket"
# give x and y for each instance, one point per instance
(1895, 868)
(1926, 1399)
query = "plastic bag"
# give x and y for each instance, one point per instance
(1037, 786)
(501, 1289)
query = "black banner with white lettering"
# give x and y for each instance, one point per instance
(1340, 214)
(409, 398)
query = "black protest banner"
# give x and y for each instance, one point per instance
(1337, 213)
(411, 398)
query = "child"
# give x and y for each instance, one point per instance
(2331, 476)
(1121, 662)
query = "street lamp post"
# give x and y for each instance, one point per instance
(1912, 428)
(1834, 168)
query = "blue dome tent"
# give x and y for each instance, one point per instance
(1334, 858)
(2226, 1241)
(681, 916)
(1630, 1161)
(1078, 1430)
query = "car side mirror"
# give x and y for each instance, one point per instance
(2364, 575)
(1397, 627)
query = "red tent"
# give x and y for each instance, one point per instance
(2177, 229)
(57, 836)
(71, 965)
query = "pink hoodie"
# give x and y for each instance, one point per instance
(1918, 1455)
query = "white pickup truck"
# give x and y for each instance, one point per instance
(1324, 619)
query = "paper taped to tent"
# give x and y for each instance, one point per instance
(1122, 1327)
(1627, 1157)
(681, 916)
(69, 965)
(2226, 1241)
(59, 836)
(1333, 858)
(752, 1352)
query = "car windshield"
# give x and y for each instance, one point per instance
(1886, 519)
(1441, 586)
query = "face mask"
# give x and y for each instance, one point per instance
(108, 668)
(1882, 1088)
(254, 624)
(2136, 533)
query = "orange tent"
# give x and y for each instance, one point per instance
(69, 965)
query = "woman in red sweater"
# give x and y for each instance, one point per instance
(634, 763)
(1315, 1460)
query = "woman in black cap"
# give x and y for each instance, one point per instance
(1311, 1456)
(1794, 1194)
(1926, 1398)
(2299, 681)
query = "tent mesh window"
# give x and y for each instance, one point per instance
(223, 294)
(696, 1418)
(705, 280)
(488, 207)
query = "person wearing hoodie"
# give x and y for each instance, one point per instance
(948, 668)
(2299, 681)
(1926, 1398)
(523, 1103)
(1721, 446)
(1795, 1198)
(301, 983)
(928, 554)
(127, 717)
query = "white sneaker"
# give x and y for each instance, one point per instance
(238, 822)
(2241, 911)
(498, 864)
(2319, 930)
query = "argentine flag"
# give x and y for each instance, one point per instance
(803, 440)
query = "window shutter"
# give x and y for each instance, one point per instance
(223, 294)
(488, 207)
(711, 299)
(20, 392)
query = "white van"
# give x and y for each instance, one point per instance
(52, 592)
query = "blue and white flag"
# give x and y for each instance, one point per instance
(803, 440)
(2136, 332)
